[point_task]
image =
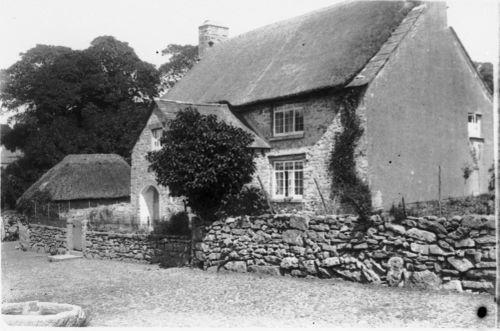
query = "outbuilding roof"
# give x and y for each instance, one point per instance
(323, 49)
(84, 176)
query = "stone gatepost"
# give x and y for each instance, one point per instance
(85, 223)
(69, 234)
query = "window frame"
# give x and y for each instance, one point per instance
(289, 179)
(156, 142)
(474, 127)
(283, 110)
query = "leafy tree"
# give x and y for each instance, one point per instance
(485, 70)
(181, 59)
(71, 101)
(204, 160)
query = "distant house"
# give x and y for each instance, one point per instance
(7, 156)
(82, 181)
(426, 114)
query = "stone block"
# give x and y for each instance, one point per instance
(469, 284)
(299, 222)
(417, 248)
(289, 263)
(453, 285)
(466, 242)
(483, 265)
(399, 229)
(425, 280)
(488, 274)
(485, 240)
(330, 262)
(310, 267)
(360, 246)
(436, 250)
(479, 221)
(293, 237)
(421, 235)
(236, 266)
(266, 270)
(461, 265)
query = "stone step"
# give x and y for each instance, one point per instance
(76, 253)
(65, 257)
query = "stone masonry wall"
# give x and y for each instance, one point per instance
(44, 238)
(321, 123)
(167, 250)
(457, 253)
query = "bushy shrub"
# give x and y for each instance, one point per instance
(249, 201)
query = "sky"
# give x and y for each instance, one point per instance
(149, 25)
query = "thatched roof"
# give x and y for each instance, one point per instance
(168, 110)
(84, 176)
(322, 49)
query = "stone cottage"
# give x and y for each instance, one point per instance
(426, 114)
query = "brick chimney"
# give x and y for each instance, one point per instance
(210, 34)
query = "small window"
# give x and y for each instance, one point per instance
(288, 120)
(288, 179)
(155, 139)
(474, 125)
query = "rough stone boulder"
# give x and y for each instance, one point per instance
(265, 269)
(461, 265)
(453, 285)
(293, 237)
(399, 229)
(479, 221)
(236, 266)
(395, 273)
(421, 235)
(431, 225)
(425, 280)
(289, 263)
(299, 223)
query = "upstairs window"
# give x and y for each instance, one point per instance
(288, 120)
(474, 125)
(155, 139)
(288, 179)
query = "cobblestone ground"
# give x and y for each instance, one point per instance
(126, 294)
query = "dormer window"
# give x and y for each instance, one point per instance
(288, 120)
(474, 125)
(155, 139)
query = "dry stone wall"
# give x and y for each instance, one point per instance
(457, 253)
(166, 250)
(47, 239)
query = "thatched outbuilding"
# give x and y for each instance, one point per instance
(82, 181)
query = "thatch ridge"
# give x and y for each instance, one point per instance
(84, 176)
(322, 49)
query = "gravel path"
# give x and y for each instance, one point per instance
(127, 294)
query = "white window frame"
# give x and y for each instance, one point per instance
(474, 126)
(283, 110)
(155, 141)
(289, 174)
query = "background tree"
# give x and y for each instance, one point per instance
(204, 160)
(70, 101)
(181, 59)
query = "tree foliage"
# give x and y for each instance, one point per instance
(74, 101)
(204, 160)
(181, 59)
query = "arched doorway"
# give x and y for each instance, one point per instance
(149, 206)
